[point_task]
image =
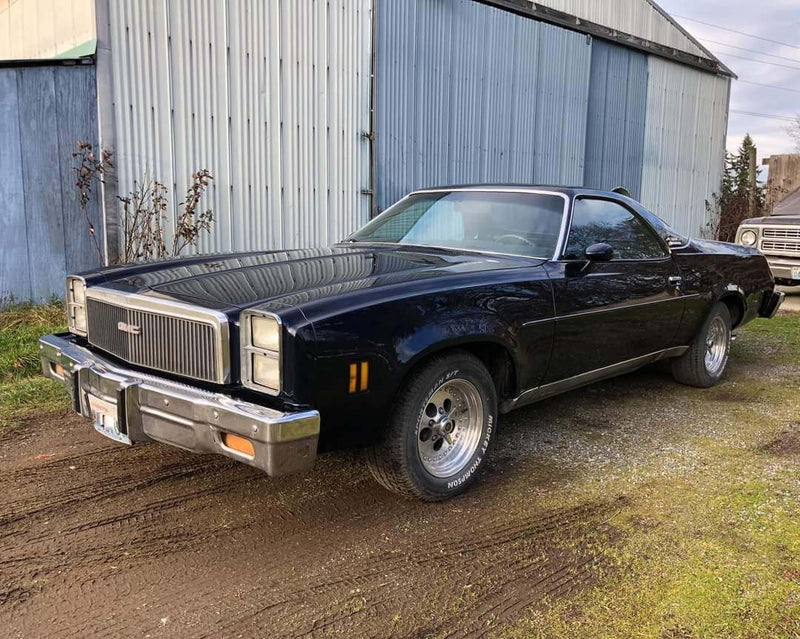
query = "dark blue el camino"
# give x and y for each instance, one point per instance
(409, 337)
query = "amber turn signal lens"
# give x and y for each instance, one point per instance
(58, 370)
(359, 377)
(239, 444)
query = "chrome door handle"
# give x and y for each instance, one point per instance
(675, 280)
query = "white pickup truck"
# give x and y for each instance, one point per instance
(778, 238)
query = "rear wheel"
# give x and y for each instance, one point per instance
(441, 426)
(703, 364)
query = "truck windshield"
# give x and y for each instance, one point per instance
(516, 223)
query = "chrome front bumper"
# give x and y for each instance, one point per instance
(151, 408)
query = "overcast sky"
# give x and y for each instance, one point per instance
(773, 19)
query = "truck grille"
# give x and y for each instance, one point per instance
(159, 341)
(780, 247)
(789, 234)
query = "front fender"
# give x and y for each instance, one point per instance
(432, 338)
(387, 340)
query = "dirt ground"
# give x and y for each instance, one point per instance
(100, 539)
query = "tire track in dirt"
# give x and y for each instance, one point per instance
(485, 556)
(115, 486)
(133, 537)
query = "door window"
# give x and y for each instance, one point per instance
(596, 220)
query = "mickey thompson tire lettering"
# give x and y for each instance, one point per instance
(396, 462)
(475, 464)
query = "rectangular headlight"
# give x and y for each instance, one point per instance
(266, 333)
(261, 352)
(266, 370)
(76, 305)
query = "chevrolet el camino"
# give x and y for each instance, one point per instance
(408, 338)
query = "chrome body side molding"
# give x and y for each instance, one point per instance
(539, 393)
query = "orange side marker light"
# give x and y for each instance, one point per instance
(353, 378)
(239, 444)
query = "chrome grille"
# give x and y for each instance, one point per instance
(103, 320)
(166, 343)
(791, 234)
(780, 247)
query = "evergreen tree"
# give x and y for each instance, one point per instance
(737, 171)
(733, 204)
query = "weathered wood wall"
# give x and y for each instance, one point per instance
(44, 111)
(783, 178)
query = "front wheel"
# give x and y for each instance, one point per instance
(441, 426)
(703, 364)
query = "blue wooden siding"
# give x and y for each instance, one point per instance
(616, 121)
(470, 93)
(44, 111)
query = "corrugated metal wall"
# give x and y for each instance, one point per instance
(470, 93)
(636, 17)
(44, 111)
(684, 150)
(616, 121)
(271, 96)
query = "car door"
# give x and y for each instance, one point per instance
(612, 311)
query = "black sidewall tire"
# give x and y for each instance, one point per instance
(436, 488)
(690, 368)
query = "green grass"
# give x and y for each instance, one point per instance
(714, 551)
(719, 557)
(23, 392)
(779, 338)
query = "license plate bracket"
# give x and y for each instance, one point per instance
(105, 415)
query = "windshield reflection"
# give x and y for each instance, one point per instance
(513, 223)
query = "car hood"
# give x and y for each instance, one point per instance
(243, 280)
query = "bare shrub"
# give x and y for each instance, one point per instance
(144, 217)
(88, 171)
(190, 223)
(144, 209)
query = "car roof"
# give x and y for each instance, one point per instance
(569, 190)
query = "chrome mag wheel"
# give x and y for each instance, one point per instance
(716, 346)
(449, 431)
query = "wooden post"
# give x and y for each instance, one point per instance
(752, 177)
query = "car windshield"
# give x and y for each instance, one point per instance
(516, 223)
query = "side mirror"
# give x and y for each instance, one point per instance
(600, 252)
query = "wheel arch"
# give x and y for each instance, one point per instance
(493, 353)
(737, 306)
